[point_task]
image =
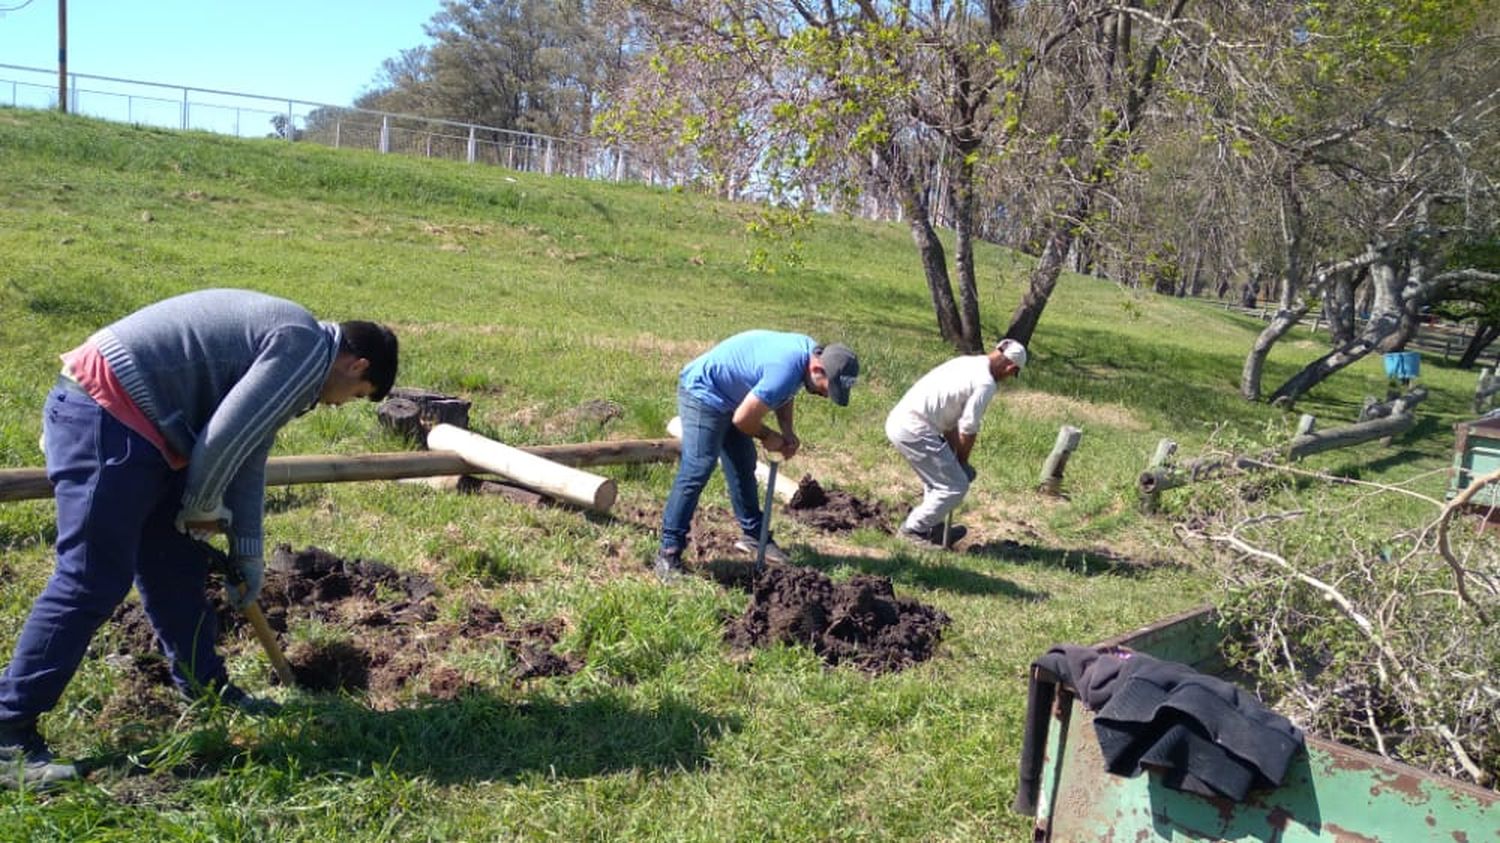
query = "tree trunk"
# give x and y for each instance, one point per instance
(1484, 336)
(1043, 279)
(1364, 299)
(971, 341)
(929, 247)
(1412, 297)
(1380, 328)
(1251, 292)
(1040, 284)
(1339, 305)
(1193, 283)
(1255, 362)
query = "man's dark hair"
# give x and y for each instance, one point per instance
(377, 344)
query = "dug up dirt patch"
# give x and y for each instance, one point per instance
(860, 622)
(380, 631)
(837, 511)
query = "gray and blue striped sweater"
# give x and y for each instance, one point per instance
(219, 372)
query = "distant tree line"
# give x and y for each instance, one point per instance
(1337, 154)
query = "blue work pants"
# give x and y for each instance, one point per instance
(117, 500)
(709, 436)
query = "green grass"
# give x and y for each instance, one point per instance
(531, 296)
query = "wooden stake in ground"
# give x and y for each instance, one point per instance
(1057, 461)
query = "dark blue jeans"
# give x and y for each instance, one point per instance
(709, 436)
(116, 502)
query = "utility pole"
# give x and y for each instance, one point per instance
(62, 56)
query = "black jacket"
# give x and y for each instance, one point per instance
(1202, 734)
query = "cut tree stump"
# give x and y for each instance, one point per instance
(413, 412)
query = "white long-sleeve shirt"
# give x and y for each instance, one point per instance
(953, 396)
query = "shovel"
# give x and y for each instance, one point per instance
(765, 518)
(219, 560)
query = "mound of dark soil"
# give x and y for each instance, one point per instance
(860, 622)
(394, 640)
(837, 511)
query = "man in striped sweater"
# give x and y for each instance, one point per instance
(156, 432)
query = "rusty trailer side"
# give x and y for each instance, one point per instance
(1331, 793)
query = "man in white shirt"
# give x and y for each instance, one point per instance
(935, 425)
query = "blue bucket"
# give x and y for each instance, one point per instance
(1403, 365)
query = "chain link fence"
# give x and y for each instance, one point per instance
(251, 116)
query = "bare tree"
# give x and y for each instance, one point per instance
(1031, 110)
(1373, 135)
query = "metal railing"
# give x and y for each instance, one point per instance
(251, 115)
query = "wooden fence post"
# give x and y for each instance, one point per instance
(1485, 389)
(1164, 451)
(1057, 461)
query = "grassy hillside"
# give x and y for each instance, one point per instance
(533, 296)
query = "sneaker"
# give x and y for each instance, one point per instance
(668, 565)
(25, 760)
(933, 537)
(774, 553)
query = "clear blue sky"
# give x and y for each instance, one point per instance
(323, 51)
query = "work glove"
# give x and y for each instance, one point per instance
(246, 575)
(221, 515)
(969, 471)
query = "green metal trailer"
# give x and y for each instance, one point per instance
(1331, 792)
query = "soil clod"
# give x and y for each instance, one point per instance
(837, 511)
(860, 622)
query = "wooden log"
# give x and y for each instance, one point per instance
(534, 472)
(783, 491)
(1057, 461)
(31, 483)
(1354, 434)
(1160, 458)
(1154, 481)
(1381, 409)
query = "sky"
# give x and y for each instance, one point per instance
(321, 51)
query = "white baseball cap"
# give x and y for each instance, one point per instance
(1014, 351)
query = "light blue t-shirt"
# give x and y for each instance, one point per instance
(769, 363)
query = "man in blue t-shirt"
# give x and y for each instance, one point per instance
(723, 398)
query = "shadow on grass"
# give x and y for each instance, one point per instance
(475, 737)
(1357, 470)
(481, 737)
(924, 570)
(1087, 562)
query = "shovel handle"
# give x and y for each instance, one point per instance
(218, 560)
(267, 638)
(765, 516)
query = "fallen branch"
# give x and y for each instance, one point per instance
(1389, 665)
(1445, 547)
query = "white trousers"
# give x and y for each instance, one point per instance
(944, 483)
